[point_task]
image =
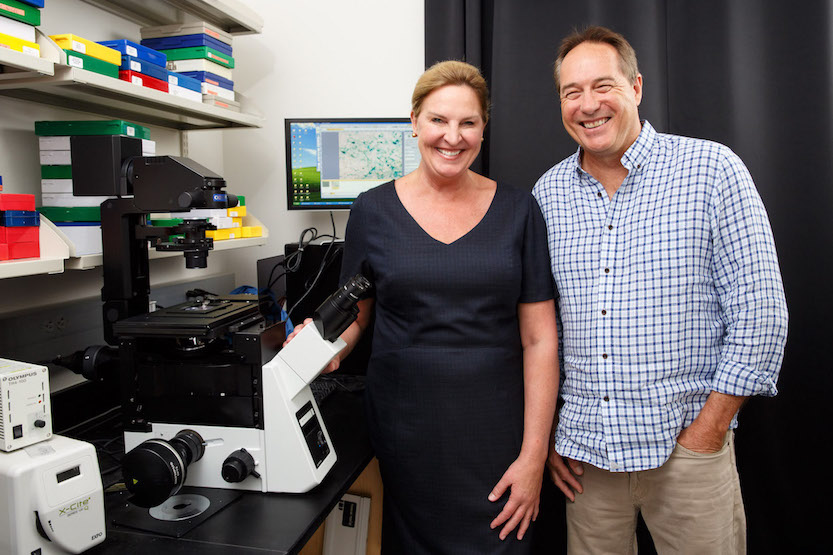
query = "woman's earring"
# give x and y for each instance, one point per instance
(413, 134)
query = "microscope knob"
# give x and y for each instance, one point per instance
(40, 424)
(238, 466)
(185, 200)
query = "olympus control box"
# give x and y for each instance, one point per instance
(25, 413)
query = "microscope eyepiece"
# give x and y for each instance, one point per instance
(340, 310)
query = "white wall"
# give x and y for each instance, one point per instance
(327, 58)
(331, 58)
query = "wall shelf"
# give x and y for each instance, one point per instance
(53, 249)
(89, 261)
(15, 64)
(58, 252)
(228, 15)
(86, 91)
(50, 80)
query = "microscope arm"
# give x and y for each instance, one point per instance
(303, 359)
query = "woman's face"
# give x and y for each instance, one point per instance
(449, 130)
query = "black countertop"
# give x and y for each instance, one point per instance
(261, 522)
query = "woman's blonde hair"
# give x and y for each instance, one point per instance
(451, 72)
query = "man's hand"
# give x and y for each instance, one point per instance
(708, 431)
(523, 478)
(700, 439)
(564, 473)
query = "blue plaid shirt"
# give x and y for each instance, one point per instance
(666, 292)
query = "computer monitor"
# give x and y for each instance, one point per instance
(329, 162)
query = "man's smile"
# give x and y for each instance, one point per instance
(595, 123)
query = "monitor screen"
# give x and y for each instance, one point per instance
(330, 161)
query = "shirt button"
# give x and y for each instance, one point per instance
(610, 227)
(606, 398)
(604, 312)
(599, 195)
(604, 356)
(607, 270)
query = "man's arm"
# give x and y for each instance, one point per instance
(753, 309)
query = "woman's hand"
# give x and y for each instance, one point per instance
(332, 366)
(296, 331)
(523, 479)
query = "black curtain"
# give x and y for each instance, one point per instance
(756, 76)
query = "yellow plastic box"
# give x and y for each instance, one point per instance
(237, 212)
(217, 234)
(88, 47)
(20, 45)
(223, 234)
(252, 231)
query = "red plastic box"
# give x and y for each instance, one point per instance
(144, 80)
(19, 234)
(14, 251)
(17, 202)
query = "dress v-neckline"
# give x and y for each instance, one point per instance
(464, 235)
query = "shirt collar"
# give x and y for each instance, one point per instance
(637, 154)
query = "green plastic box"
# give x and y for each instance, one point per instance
(83, 61)
(199, 52)
(169, 222)
(71, 213)
(56, 172)
(86, 127)
(20, 12)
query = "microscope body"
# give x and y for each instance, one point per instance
(290, 448)
(210, 369)
(298, 440)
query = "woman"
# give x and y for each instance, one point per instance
(462, 381)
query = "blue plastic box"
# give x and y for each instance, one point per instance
(187, 41)
(35, 3)
(129, 63)
(184, 81)
(203, 75)
(19, 218)
(129, 48)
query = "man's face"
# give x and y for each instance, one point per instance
(598, 103)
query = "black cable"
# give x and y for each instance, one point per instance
(293, 262)
(66, 431)
(274, 281)
(324, 261)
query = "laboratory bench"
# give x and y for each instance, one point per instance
(253, 522)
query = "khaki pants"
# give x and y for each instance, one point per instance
(691, 504)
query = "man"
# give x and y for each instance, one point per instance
(671, 313)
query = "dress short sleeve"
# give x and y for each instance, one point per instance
(355, 261)
(537, 283)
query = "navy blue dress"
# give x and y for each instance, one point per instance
(445, 379)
